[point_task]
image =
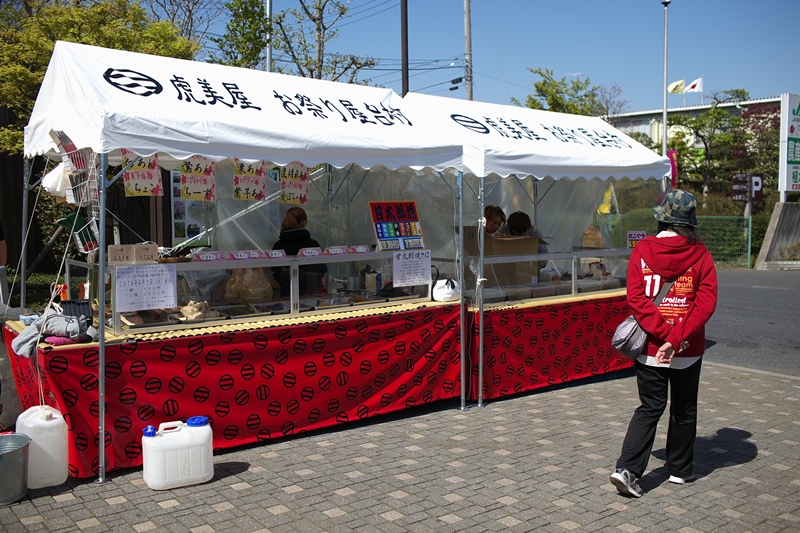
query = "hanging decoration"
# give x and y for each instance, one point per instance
(143, 178)
(249, 181)
(294, 183)
(198, 179)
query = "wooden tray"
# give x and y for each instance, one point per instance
(183, 259)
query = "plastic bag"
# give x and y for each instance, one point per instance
(446, 290)
(248, 285)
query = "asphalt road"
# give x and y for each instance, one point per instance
(757, 322)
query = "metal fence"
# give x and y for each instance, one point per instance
(729, 239)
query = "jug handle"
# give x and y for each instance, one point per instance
(169, 427)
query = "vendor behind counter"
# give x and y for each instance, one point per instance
(294, 237)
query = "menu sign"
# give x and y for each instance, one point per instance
(143, 177)
(411, 267)
(198, 179)
(146, 287)
(396, 225)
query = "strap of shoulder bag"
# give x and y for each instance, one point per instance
(663, 292)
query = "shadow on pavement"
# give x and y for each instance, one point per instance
(728, 447)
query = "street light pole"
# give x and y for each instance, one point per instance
(268, 60)
(664, 118)
(468, 52)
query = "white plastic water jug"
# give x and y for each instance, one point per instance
(178, 454)
(48, 453)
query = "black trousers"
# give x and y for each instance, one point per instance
(654, 383)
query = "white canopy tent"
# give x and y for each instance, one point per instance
(107, 100)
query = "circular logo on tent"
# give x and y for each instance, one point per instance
(132, 82)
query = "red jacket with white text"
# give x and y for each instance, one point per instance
(690, 302)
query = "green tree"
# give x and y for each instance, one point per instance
(245, 41)
(730, 95)
(304, 42)
(646, 140)
(577, 96)
(760, 142)
(27, 42)
(714, 129)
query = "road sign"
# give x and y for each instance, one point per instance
(742, 183)
(758, 184)
(740, 186)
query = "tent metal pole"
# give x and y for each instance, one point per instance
(26, 176)
(479, 290)
(101, 319)
(461, 308)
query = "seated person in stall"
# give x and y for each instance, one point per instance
(495, 217)
(294, 236)
(519, 225)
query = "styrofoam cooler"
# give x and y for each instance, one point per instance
(48, 454)
(178, 454)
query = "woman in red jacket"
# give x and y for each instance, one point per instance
(676, 340)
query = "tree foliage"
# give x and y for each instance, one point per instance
(245, 41)
(303, 35)
(714, 129)
(27, 42)
(576, 96)
(760, 142)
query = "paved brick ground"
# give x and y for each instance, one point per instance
(538, 462)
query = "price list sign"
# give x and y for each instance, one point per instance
(411, 267)
(396, 225)
(142, 287)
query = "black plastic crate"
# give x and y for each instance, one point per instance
(77, 308)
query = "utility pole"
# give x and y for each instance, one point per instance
(268, 9)
(404, 43)
(468, 53)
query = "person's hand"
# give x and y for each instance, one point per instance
(684, 344)
(665, 353)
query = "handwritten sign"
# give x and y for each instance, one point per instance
(309, 252)
(120, 253)
(198, 179)
(143, 178)
(337, 250)
(141, 287)
(411, 267)
(294, 183)
(396, 225)
(246, 254)
(249, 181)
(142, 253)
(208, 256)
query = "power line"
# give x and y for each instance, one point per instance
(368, 16)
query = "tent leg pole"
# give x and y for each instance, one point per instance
(101, 319)
(27, 167)
(461, 308)
(479, 291)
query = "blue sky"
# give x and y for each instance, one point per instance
(731, 43)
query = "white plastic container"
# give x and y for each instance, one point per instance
(48, 453)
(178, 454)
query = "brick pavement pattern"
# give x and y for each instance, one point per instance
(533, 462)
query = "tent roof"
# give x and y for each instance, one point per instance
(513, 140)
(110, 99)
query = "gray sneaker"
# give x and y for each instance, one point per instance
(626, 483)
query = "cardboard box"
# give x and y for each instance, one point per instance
(504, 274)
